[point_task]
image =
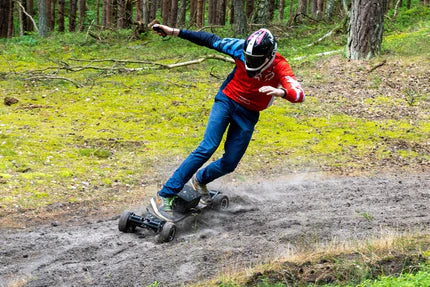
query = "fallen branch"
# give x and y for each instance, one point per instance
(320, 39)
(377, 66)
(39, 78)
(318, 55)
(192, 62)
(163, 66)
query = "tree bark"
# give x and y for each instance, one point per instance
(249, 8)
(139, 12)
(271, 9)
(239, 17)
(182, 13)
(152, 10)
(200, 16)
(262, 12)
(43, 19)
(72, 15)
(221, 15)
(165, 11)
(303, 7)
(173, 16)
(281, 9)
(29, 7)
(82, 13)
(51, 13)
(121, 14)
(366, 29)
(61, 15)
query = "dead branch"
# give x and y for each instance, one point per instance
(44, 77)
(318, 55)
(163, 66)
(209, 27)
(28, 15)
(377, 66)
(114, 61)
(320, 39)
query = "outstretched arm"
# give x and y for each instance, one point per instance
(229, 46)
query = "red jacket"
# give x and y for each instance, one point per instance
(241, 88)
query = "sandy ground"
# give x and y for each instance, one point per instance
(266, 220)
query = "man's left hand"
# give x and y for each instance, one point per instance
(271, 91)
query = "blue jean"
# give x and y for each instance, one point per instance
(225, 113)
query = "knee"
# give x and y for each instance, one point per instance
(205, 150)
(228, 165)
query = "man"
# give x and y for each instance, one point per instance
(248, 89)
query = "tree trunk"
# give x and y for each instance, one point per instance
(139, 12)
(211, 12)
(182, 13)
(82, 13)
(271, 9)
(262, 12)
(121, 14)
(366, 29)
(29, 7)
(128, 13)
(239, 17)
(320, 9)
(281, 10)
(72, 16)
(329, 9)
(61, 15)
(52, 17)
(249, 8)
(291, 12)
(408, 5)
(43, 19)
(145, 12)
(221, 15)
(165, 11)
(303, 7)
(10, 30)
(193, 12)
(20, 20)
(314, 8)
(173, 16)
(200, 16)
(152, 10)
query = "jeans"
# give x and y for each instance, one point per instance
(225, 113)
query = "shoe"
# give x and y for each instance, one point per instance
(206, 198)
(162, 207)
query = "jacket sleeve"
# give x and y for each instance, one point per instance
(229, 46)
(293, 89)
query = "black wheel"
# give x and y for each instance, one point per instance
(167, 233)
(220, 202)
(123, 224)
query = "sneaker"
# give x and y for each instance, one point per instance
(162, 207)
(203, 190)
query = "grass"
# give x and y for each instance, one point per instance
(392, 260)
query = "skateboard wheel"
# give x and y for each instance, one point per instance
(220, 202)
(167, 233)
(123, 224)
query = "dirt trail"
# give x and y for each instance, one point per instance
(265, 221)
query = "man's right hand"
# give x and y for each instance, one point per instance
(164, 30)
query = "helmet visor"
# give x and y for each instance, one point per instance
(254, 61)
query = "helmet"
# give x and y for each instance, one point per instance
(259, 50)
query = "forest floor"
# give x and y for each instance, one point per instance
(267, 220)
